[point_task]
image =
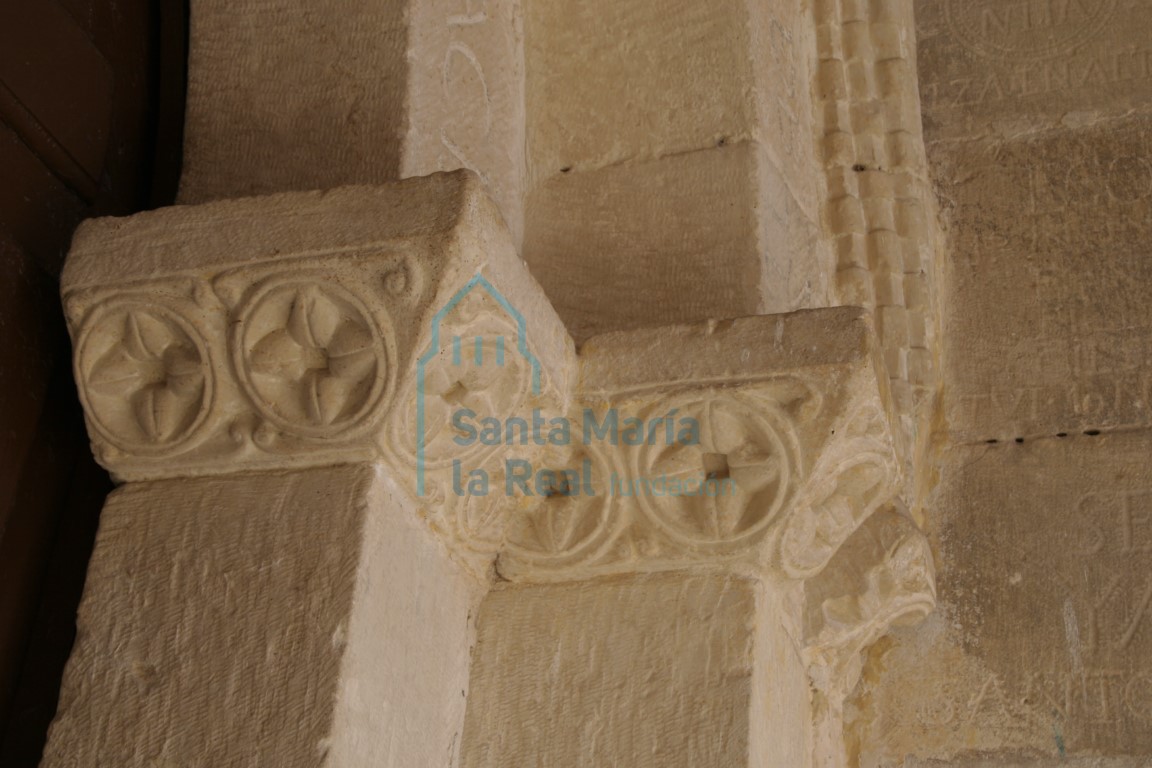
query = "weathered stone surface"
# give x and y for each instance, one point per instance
(1047, 314)
(296, 96)
(650, 659)
(1009, 762)
(1000, 67)
(880, 212)
(288, 330)
(1043, 642)
(274, 619)
(1037, 125)
(795, 437)
(670, 179)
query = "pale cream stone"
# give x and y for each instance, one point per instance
(1048, 304)
(295, 96)
(880, 210)
(1002, 68)
(294, 329)
(267, 619)
(790, 410)
(1037, 125)
(1045, 635)
(670, 173)
(302, 330)
(196, 327)
(793, 414)
(660, 670)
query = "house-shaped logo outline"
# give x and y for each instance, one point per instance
(434, 349)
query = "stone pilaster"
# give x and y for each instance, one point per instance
(672, 174)
(290, 95)
(704, 601)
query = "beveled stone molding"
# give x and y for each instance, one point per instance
(286, 330)
(880, 206)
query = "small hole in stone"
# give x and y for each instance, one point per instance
(722, 141)
(1019, 440)
(1091, 432)
(993, 441)
(565, 169)
(559, 488)
(859, 167)
(1061, 434)
(716, 466)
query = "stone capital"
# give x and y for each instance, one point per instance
(290, 330)
(788, 450)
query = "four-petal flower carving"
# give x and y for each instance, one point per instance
(148, 385)
(317, 362)
(736, 476)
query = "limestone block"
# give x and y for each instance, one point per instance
(296, 95)
(1009, 762)
(649, 259)
(666, 670)
(1047, 310)
(308, 328)
(1001, 68)
(267, 619)
(1042, 647)
(677, 136)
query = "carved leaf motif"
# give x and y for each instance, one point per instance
(818, 528)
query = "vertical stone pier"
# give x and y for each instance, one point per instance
(268, 587)
(722, 623)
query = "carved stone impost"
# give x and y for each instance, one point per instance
(314, 328)
(761, 443)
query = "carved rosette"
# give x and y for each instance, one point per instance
(745, 453)
(148, 378)
(251, 368)
(782, 474)
(309, 357)
(810, 501)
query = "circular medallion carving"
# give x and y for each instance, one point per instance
(740, 469)
(144, 376)
(1027, 29)
(310, 357)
